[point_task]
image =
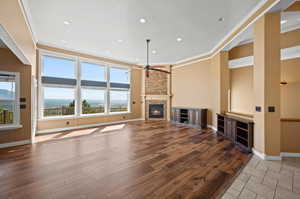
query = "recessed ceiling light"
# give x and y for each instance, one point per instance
(67, 22)
(179, 39)
(120, 40)
(283, 21)
(142, 20)
(153, 51)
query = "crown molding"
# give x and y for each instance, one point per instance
(28, 19)
(256, 13)
(12, 45)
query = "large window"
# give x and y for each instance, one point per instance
(59, 85)
(9, 99)
(74, 87)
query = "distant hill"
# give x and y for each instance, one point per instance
(5, 94)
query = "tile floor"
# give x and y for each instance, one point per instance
(262, 179)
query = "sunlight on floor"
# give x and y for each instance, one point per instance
(76, 133)
(112, 128)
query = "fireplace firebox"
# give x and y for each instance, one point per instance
(156, 111)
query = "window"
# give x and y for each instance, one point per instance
(93, 101)
(119, 75)
(119, 101)
(58, 86)
(9, 99)
(74, 87)
(59, 101)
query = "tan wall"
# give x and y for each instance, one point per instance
(193, 86)
(13, 20)
(287, 40)
(136, 84)
(9, 62)
(242, 96)
(290, 136)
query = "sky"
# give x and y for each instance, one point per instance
(63, 68)
(8, 86)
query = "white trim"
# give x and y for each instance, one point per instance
(10, 127)
(212, 127)
(28, 19)
(286, 154)
(264, 156)
(286, 53)
(18, 143)
(241, 62)
(12, 45)
(228, 35)
(85, 126)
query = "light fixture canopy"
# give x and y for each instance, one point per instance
(143, 20)
(179, 39)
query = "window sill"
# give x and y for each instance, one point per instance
(10, 127)
(83, 116)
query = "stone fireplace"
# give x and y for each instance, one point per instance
(156, 96)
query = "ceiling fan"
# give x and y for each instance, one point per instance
(154, 68)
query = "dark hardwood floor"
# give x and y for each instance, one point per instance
(153, 159)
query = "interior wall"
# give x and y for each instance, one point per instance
(242, 96)
(136, 102)
(13, 20)
(193, 86)
(9, 62)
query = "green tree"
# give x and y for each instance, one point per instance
(72, 104)
(85, 104)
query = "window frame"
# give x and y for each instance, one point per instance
(78, 87)
(41, 85)
(17, 112)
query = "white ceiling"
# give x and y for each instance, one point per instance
(97, 25)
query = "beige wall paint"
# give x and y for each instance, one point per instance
(242, 96)
(290, 93)
(290, 136)
(192, 86)
(9, 62)
(13, 20)
(266, 84)
(201, 85)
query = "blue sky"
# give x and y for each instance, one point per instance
(8, 86)
(63, 68)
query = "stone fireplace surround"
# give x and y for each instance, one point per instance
(156, 90)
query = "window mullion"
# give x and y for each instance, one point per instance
(108, 90)
(78, 89)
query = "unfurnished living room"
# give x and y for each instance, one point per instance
(140, 99)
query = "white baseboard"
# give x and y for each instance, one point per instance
(286, 154)
(84, 126)
(265, 157)
(212, 127)
(18, 143)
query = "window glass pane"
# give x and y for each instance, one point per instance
(7, 87)
(92, 72)
(93, 101)
(56, 67)
(59, 101)
(119, 75)
(119, 101)
(6, 112)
